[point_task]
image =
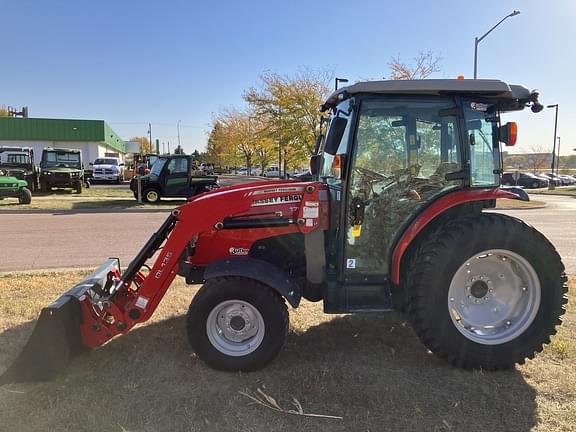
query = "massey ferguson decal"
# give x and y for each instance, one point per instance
(277, 200)
(277, 190)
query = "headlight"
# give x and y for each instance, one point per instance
(74, 174)
(46, 173)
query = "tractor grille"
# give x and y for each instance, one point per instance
(8, 185)
(62, 176)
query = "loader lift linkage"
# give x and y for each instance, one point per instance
(394, 220)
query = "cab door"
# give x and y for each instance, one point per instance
(400, 154)
(176, 181)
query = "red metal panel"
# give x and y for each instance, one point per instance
(434, 210)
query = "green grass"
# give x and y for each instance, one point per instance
(559, 190)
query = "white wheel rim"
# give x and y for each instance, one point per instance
(152, 196)
(494, 297)
(235, 328)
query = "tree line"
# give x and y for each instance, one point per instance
(278, 125)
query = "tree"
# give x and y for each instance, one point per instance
(288, 109)
(425, 64)
(3, 111)
(539, 159)
(145, 146)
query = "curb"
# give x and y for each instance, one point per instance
(94, 210)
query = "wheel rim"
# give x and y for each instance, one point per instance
(235, 328)
(152, 196)
(494, 297)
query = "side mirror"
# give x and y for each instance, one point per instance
(335, 134)
(509, 134)
(91, 164)
(121, 164)
(315, 162)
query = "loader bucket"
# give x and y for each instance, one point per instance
(56, 338)
(54, 341)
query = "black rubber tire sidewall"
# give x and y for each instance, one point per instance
(25, 196)
(443, 255)
(270, 305)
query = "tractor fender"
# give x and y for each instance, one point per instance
(259, 270)
(436, 208)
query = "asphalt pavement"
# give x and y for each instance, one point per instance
(68, 239)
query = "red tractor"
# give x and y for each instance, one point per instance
(398, 218)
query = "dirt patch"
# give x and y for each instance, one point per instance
(369, 369)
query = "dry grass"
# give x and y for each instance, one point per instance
(369, 369)
(512, 204)
(94, 197)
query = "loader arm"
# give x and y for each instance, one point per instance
(92, 313)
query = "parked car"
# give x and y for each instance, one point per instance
(526, 180)
(108, 168)
(253, 171)
(567, 179)
(272, 171)
(553, 178)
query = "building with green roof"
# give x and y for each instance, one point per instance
(94, 138)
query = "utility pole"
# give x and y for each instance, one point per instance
(178, 127)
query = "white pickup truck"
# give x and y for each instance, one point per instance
(108, 168)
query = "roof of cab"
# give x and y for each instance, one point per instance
(486, 88)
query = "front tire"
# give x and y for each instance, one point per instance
(78, 187)
(25, 196)
(237, 324)
(487, 291)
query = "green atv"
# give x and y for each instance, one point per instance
(11, 187)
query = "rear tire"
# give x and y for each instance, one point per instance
(487, 291)
(25, 196)
(237, 324)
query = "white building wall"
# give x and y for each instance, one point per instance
(90, 150)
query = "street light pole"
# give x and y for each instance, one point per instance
(558, 158)
(553, 164)
(178, 127)
(477, 40)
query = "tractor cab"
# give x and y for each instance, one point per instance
(392, 149)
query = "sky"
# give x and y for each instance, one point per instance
(131, 63)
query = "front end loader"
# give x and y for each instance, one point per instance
(398, 218)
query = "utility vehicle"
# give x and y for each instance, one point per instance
(12, 187)
(173, 176)
(61, 168)
(19, 162)
(398, 218)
